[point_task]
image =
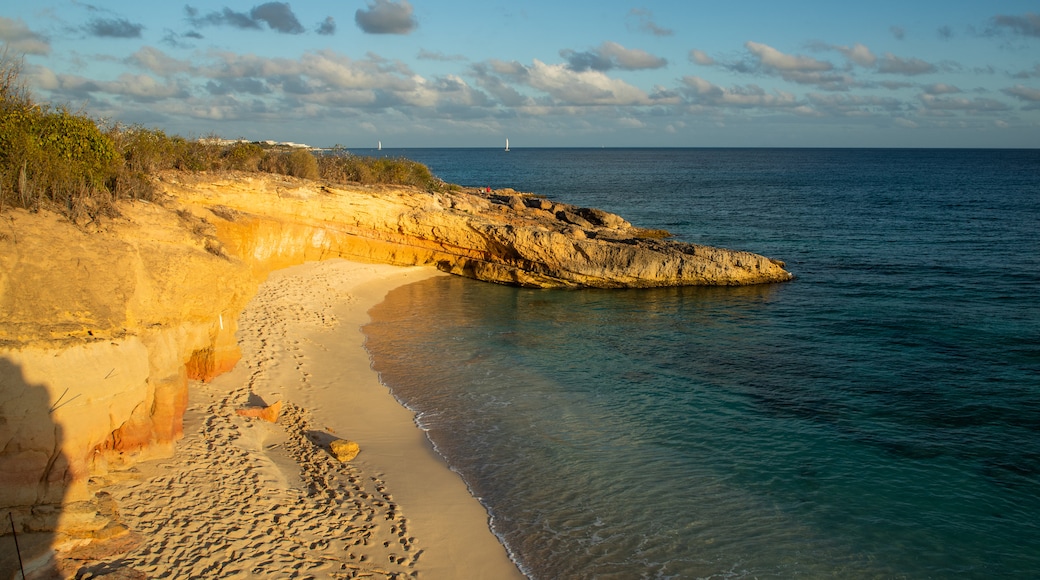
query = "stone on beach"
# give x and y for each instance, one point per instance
(269, 413)
(344, 449)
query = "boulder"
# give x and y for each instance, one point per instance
(344, 449)
(269, 413)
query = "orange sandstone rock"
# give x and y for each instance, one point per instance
(269, 413)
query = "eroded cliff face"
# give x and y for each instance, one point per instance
(103, 326)
(506, 238)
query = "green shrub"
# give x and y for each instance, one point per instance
(346, 168)
(244, 156)
(197, 155)
(53, 156)
(301, 163)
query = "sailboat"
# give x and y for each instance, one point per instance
(379, 145)
(507, 144)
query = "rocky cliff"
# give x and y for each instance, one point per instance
(102, 326)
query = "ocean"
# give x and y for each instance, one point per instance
(876, 417)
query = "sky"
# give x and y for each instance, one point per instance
(567, 73)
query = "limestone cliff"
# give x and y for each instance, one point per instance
(511, 239)
(102, 326)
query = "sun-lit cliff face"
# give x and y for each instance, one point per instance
(103, 326)
(502, 237)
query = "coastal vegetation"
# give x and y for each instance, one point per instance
(52, 157)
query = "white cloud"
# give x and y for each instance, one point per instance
(772, 58)
(583, 87)
(142, 87)
(700, 57)
(796, 68)
(158, 62)
(21, 40)
(703, 92)
(941, 89)
(611, 55)
(892, 64)
(1028, 94)
(858, 54)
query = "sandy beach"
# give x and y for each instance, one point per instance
(244, 498)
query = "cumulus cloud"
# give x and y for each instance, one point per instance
(113, 28)
(858, 54)
(561, 85)
(772, 58)
(1027, 25)
(277, 16)
(1028, 73)
(1030, 95)
(237, 86)
(21, 40)
(704, 92)
(327, 27)
(128, 87)
(158, 62)
(587, 87)
(891, 64)
(611, 55)
(941, 89)
(488, 76)
(386, 17)
(642, 20)
(700, 57)
(794, 68)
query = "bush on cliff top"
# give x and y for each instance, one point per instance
(65, 161)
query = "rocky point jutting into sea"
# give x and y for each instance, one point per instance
(103, 325)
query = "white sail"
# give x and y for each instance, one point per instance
(507, 144)
(379, 145)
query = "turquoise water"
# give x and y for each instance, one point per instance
(877, 417)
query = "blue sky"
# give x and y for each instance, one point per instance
(454, 73)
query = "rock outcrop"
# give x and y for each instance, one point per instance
(510, 239)
(103, 326)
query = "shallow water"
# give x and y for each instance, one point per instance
(877, 417)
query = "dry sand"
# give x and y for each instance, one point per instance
(243, 498)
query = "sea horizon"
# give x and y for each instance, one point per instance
(693, 147)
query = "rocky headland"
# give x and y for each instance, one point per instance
(103, 325)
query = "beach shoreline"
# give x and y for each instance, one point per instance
(242, 497)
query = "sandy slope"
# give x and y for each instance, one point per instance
(243, 498)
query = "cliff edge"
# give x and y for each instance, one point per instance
(502, 237)
(103, 326)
